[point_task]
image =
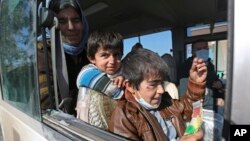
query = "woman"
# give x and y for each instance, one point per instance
(74, 31)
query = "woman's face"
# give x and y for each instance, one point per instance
(71, 26)
(150, 90)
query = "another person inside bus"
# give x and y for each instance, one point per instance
(147, 112)
(74, 30)
(100, 80)
(171, 85)
(214, 98)
(136, 46)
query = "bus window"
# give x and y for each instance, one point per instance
(222, 59)
(217, 54)
(18, 56)
(128, 43)
(160, 42)
(206, 29)
(217, 48)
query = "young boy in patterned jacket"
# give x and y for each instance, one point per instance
(100, 80)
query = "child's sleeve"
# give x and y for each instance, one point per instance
(95, 79)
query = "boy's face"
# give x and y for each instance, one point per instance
(71, 26)
(199, 46)
(106, 60)
(150, 90)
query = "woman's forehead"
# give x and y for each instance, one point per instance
(68, 11)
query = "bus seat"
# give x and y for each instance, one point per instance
(99, 109)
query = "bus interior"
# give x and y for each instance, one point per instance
(187, 21)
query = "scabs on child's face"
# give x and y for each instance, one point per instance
(107, 60)
(150, 90)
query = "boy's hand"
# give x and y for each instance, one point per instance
(193, 137)
(118, 81)
(198, 71)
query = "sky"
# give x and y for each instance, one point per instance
(160, 42)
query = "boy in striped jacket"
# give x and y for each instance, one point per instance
(100, 80)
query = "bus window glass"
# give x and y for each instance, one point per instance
(217, 54)
(128, 44)
(189, 50)
(160, 42)
(212, 51)
(18, 56)
(222, 59)
(204, 29)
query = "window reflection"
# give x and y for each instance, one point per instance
(18, 58)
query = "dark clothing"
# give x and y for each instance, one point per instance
(74, 65)
(131, 120)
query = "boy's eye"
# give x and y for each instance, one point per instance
(152, 84)
(104, 55)
(162, 83)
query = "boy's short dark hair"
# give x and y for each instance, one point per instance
(108, 40)
(141, 64)
(199, 41)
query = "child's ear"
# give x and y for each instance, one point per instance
(128, 86)
(91, 59)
